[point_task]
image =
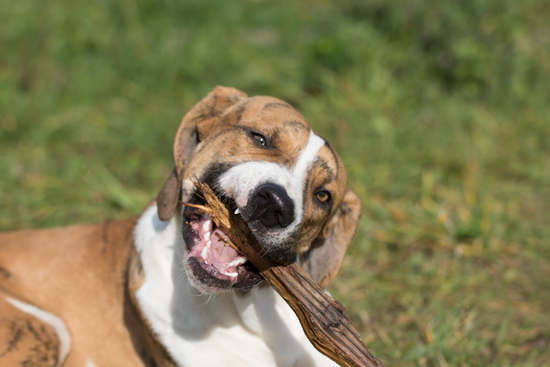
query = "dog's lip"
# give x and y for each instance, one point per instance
(212, 262)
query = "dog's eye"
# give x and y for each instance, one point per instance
(322, 196)
(260, 138)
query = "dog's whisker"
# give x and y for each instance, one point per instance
(246, 151)
(264, 251)
(191, 293)
(181, 276)
(205, 303)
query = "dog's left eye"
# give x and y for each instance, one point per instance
(260, 138)
(322, 196)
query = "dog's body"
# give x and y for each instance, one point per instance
(137, 292)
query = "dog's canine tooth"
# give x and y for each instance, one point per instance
(206, 236)
(232, 274)
(238, 261)
(237, 211)
(204, 252)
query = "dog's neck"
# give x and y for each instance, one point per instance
(178, 313)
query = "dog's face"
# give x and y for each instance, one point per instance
(262, 158)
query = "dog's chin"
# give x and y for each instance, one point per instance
(280, 250)
(208, 279)
(211, 265)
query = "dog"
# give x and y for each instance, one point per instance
(161, 289)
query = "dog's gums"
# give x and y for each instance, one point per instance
(211, 261)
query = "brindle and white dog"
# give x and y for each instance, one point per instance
(162, 289)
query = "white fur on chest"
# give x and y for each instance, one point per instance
(257, 329)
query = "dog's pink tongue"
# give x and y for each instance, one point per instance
(221, 254)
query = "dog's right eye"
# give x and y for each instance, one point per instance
(260, 139)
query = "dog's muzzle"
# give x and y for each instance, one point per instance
(217, 266)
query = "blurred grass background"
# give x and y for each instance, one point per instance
(440, 110)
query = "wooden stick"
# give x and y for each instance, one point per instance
(323, 319)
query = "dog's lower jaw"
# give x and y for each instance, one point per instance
(211, 265)
(210, 285)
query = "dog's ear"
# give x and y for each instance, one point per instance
(187, 139)
(168, 196)
(326, 254)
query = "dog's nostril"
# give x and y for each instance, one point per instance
(272, 206)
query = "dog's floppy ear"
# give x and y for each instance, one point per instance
(326, 254)
(187, 139)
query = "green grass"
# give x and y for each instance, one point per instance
(440, 111)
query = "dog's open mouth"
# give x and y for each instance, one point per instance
(213, 262)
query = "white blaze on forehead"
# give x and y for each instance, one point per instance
(241, 181)
(307, 156)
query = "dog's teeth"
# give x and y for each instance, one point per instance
(204, 253)
(208, 244)
(207, 224)
(206, 236)
(232, 274)
(238, 261)
(237, 211)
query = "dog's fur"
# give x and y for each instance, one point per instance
(138, 293)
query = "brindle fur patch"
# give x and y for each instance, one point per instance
(274, 105)
(5, 274)
(27, 342)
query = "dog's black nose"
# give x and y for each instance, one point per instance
(272, 206)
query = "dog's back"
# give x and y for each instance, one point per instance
(62, 269)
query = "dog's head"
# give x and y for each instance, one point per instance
(259, 155)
